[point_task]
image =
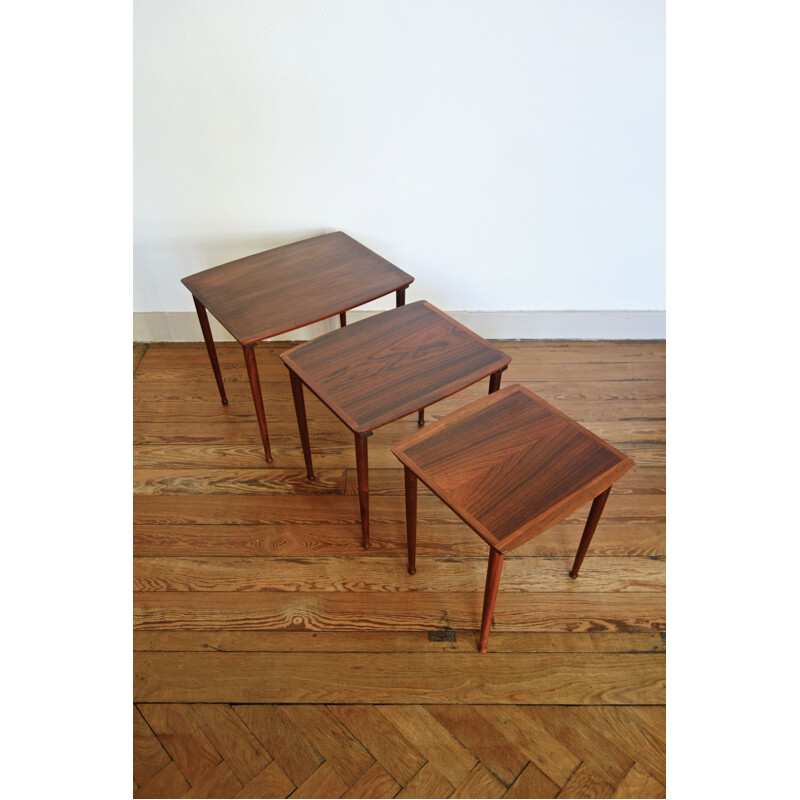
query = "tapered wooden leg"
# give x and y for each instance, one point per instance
(258, 401)
(494, 380)
(363, 484)
(302, 422)
(202, 316)
(421, 417)
(411, 519)
(343, 319)
(490, 595)
(401, 297)
(591, 523)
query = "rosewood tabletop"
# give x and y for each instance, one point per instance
(511, 466)
(279, 290)
(386, 367)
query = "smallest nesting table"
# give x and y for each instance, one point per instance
(511, 466)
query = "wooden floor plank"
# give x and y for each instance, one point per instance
(332, 509)
(439, 678)
(235, 431)
(447, 755)
(382, 738)
(585, 783)
(494, 751)
(285, 742)
(427, 783)
(217, 782)
(639, 783)
(375, 782)
(283, 409)
(387, 574)
(393, 642)
(324, 782)
(320, 611)
(480, 783)
(183, 740)
(331, 739)
(149, 757)
(168, 782)
(240, 749)
(533, 740)
(532, 782)
(388, 538)
(629, 736)
(236, 481)
(606, 760)
(270, 782)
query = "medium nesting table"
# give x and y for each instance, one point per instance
(386, 367)
(279, 290)
(511, 466)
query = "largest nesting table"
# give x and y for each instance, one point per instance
(285, 288)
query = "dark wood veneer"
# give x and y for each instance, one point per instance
(285, 288)
(511, 466)
(279, 290)
(386, 367)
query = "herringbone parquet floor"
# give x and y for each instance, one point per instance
(273, 657)
(220, 750)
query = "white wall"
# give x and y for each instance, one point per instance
(508, 153)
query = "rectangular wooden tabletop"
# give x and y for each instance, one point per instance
(392, 364)
(511, 465)
(269, 293)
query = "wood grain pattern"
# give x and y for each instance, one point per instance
(383, 739)
(534, 740)
(182, 739)
(429, 611)
(511, 465)
(149, 757)
(283, 739)
(428, 783)
(470, 728)
(388, 366)
(383, 574)
(447, 755)
(287, 287)
(375, 782)
(587, 678)
(391, 642)
(532, 782)
(340, 539)
(639, 783)
(326, 510)
(332, 740)
(585, 783)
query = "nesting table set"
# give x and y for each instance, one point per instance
(509, 465)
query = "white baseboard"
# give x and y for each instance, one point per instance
(182, 326)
